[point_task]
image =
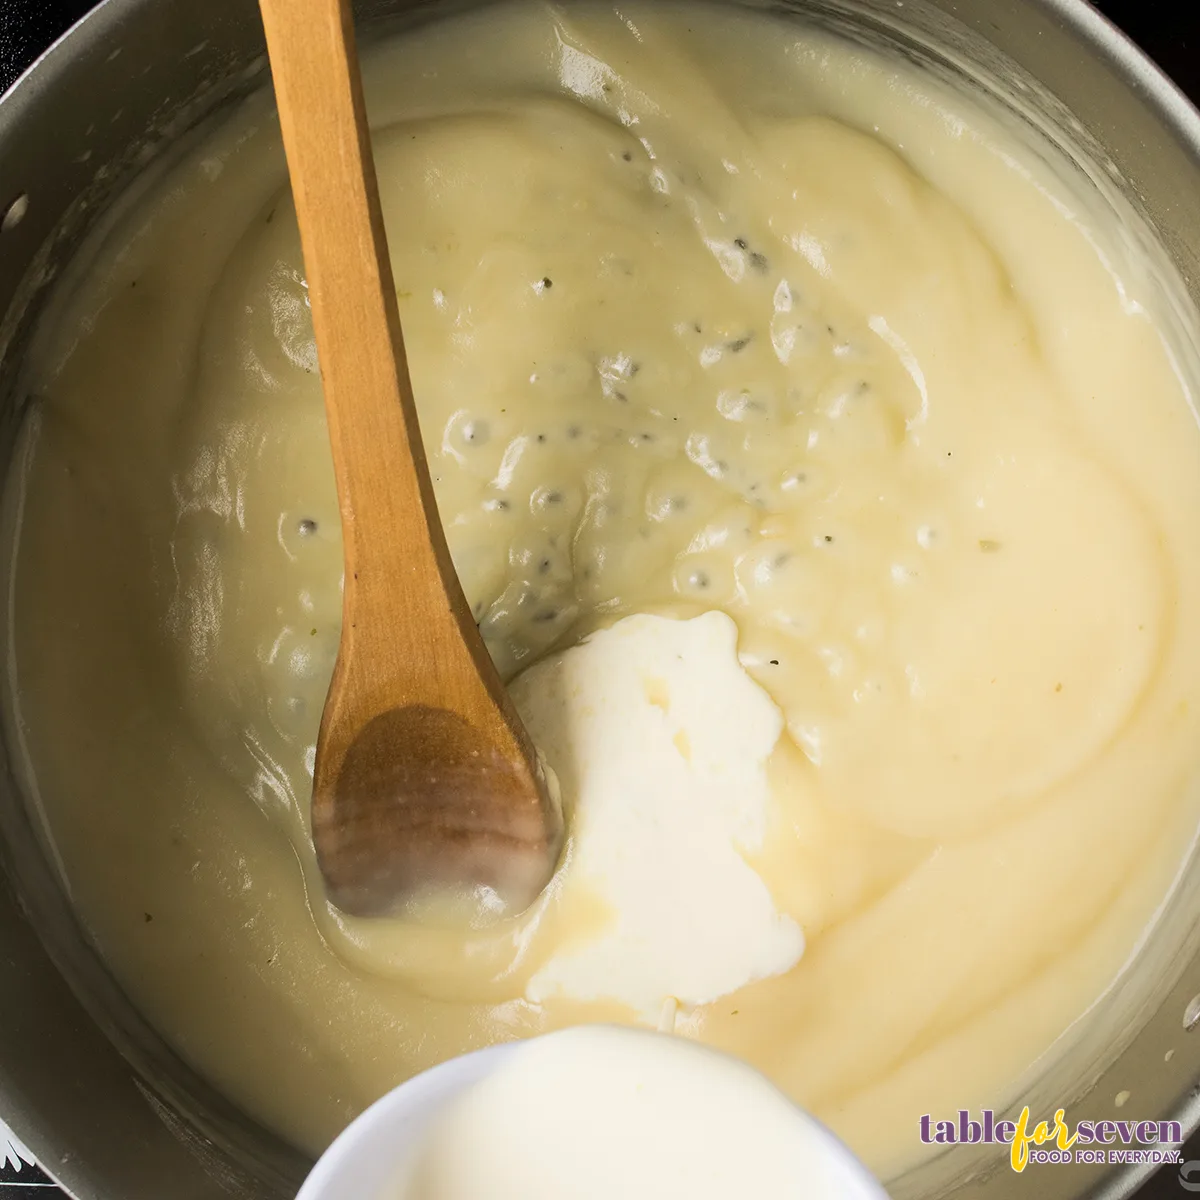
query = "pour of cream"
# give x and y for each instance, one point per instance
(596, 1112)
(660, 740)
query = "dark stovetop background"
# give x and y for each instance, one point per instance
(1168, 30)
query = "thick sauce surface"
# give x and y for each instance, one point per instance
(703, 313)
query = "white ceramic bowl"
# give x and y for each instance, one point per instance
(368, 1160)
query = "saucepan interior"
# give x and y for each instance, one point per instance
(88, 1084)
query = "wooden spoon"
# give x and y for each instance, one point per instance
(425, 778)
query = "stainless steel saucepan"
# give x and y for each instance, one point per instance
(91, 1088)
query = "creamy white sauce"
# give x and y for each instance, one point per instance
(704, 313)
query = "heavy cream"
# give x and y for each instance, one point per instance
(660, 740)
(594, 1113)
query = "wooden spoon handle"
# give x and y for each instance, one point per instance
(368, 395)
(397, 560)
